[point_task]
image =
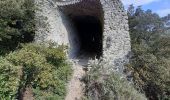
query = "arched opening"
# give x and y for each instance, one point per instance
(90, 33)
(86, 20)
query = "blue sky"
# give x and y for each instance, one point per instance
(162, 7)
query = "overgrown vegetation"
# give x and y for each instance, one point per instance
(103, 86)
(42, 69)
(150, 63)
(17, 23)
(9, 79)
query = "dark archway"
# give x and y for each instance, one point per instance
(90, 33)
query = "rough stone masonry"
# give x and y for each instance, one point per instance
(88, 27)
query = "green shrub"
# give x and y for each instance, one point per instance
(112, 86)
(17, 23)
(9, 79)
(44, 69)
(151, 73)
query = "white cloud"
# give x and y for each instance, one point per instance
(138, 2)
(163, 12)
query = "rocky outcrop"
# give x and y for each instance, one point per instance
(61, 27)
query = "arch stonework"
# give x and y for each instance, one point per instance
(60, 28)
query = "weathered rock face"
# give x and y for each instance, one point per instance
(96, 26)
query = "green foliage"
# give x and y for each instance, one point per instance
(17, 24)
(44, 69)
(9, 79)
(103, 86)
(150, 63)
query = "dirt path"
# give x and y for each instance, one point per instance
(28, 94)
(75, 86)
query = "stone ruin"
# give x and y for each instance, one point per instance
(90, 28)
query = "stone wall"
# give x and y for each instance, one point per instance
(53, 25)
(116, 40)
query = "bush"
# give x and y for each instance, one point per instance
(44, 69)
(17, 23)
(9, 79)
(150, 71)
(112, 86)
